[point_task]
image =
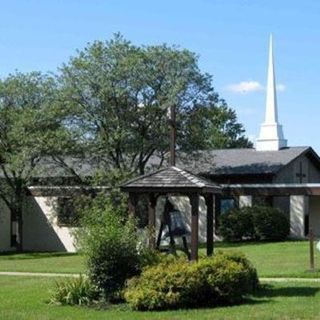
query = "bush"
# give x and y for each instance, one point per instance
(237, 224)
(270, 224)
(222, 279)
(254, 223)
(113, 249)
(75, 291)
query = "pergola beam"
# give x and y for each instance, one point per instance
(152, 220)
(132, 203)
(210, 219)
(194, 200)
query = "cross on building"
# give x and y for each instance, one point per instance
(300, 174)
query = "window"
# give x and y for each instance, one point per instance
(227, 204)
(223, 205)
(66, 213)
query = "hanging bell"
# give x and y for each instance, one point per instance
(178, 225)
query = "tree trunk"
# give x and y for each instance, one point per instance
(20, 232)
(141, 168)
(17, 212)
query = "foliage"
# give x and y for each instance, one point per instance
(254, 223)
(28, 125)
(111, 244)
(117, 95)
(212, 126)
(224, 278)
(237, 224)
(270, 224)
(75, 291)
(109, 101)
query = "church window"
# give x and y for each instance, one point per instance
(227, 204)
(66, 213)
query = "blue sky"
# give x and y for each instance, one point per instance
(230, 37)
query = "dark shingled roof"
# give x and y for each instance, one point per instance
(206, 163)
(240, 161)
(171, 178)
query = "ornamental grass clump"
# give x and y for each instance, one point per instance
(75, 291)
(222, 279)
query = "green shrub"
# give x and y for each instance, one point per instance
(112, 253)
(113, 249)
(112, 246)
(254, 223)
(270, 224)
(222, 279)
(75, 291)
(237, 224)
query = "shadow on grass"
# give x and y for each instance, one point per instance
(223, 244)
(267, 292)
(270, 291)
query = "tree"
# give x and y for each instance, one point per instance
(117, 94)
(26, 132)
(213, 126)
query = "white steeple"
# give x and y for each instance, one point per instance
(271, 134)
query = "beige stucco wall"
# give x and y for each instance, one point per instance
(245, 201)
(299, 207)
(41, 232)
(5, 238)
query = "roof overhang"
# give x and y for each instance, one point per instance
(283, 189)
(172, 190)
(170, 180)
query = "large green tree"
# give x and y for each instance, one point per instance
(212, 126)
(28, 127)
(117, 95)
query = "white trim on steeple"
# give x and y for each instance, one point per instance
(271, 135)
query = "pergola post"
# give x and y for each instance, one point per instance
(194, 200)
(210, 218)
(152, 220)
(132, 203)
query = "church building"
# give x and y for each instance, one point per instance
(272, 173)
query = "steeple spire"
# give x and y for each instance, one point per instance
(271, 134)
(271, 104)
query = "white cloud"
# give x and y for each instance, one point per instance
(245, 87)
(247, 111)
(281, 87)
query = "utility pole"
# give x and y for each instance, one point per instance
(173, 135)
(311, 249)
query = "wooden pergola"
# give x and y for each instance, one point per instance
(175, 181)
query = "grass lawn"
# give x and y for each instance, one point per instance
(26, 298)
(283, 259)
(42, 262)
